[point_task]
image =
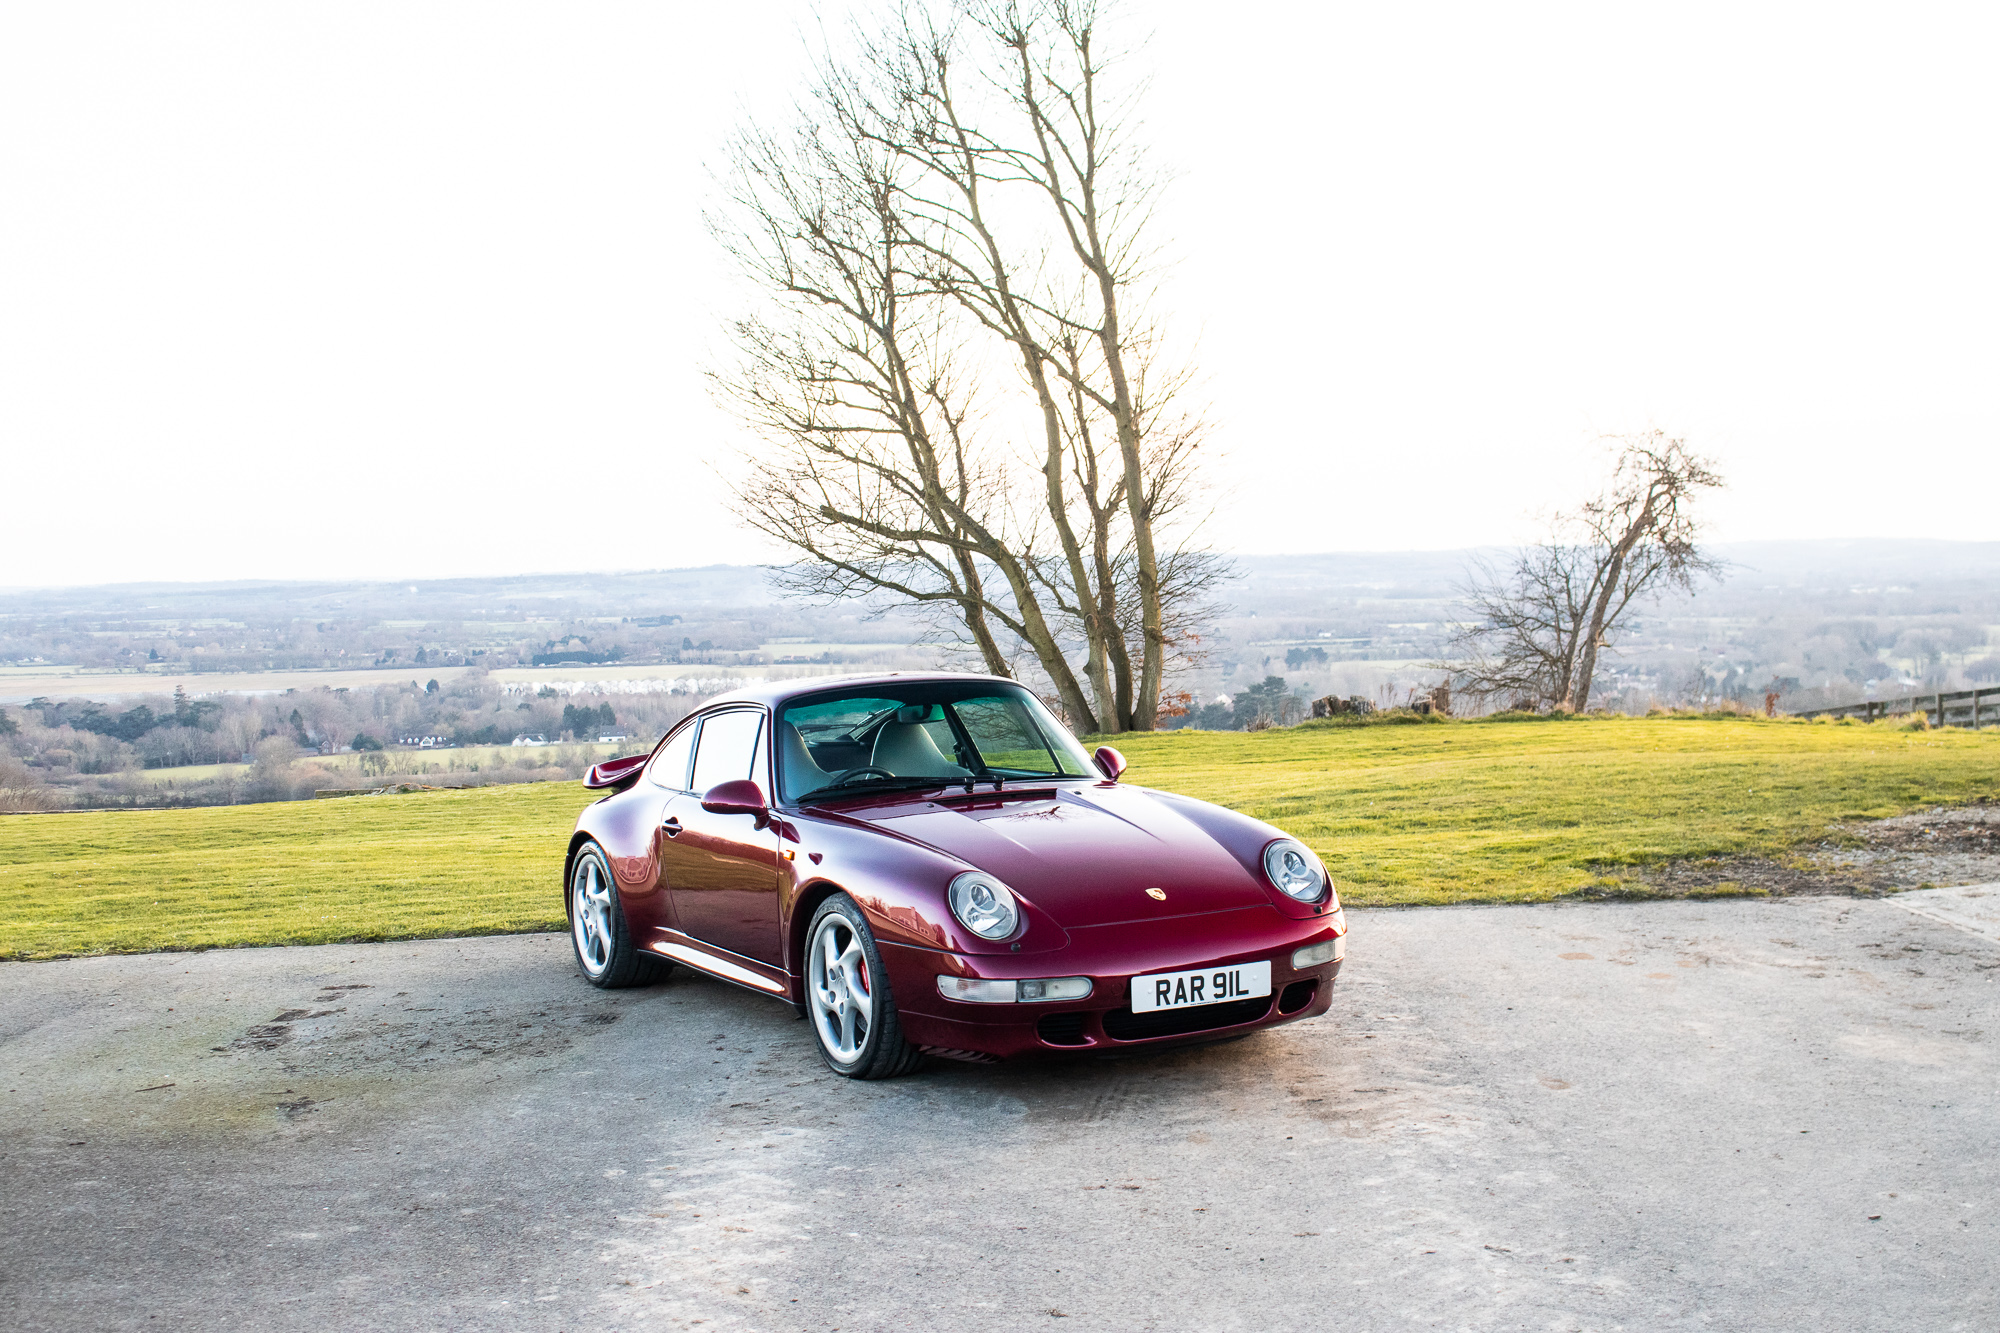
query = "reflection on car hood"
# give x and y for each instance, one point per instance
(1088, 857)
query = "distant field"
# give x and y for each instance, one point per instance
(443, 764)
(191, 773)
(866, 655)
(20, 684)
(344, 770)
(1449, 812)
(724, 676)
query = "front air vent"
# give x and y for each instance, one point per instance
(1124, 1025)
(1061, 1029)
(1297, 996)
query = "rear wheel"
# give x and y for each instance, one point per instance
(605, 953)
(853, 1014)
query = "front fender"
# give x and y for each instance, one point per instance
(900, 884)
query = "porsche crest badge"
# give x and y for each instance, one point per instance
(1159, 895)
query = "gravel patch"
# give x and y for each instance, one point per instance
(1927, 849)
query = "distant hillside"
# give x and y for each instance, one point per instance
(1816, 620)
(637, 593)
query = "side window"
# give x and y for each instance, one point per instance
(670, 769)
(728, 744)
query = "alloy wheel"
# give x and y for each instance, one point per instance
(590, 916)
(839, 989)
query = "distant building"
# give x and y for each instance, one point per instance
(610, 738)
(424, 742)
(531, 738)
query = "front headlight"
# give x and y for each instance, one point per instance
(1294, 870)
(984, 905)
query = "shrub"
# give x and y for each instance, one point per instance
(1388, 717)
(20, 791)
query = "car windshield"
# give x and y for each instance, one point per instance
(919, 735)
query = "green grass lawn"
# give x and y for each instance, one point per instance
(1521, 811)
(483, 861)
(1434, 813)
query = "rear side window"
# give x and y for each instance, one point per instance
(670, 769)
(728, 747)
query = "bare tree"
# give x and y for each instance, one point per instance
(873, 470)
(1542, 621)
(1521, 645)
(958, 198)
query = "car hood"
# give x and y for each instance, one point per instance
(1087, 857)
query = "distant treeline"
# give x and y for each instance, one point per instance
(92, 716)
(86, 752)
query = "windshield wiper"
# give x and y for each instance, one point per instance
(861, 787)
(969, 758)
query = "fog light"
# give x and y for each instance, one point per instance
(1315, 954)
(1054, 988)
(976, 991)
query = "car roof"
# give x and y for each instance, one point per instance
(773, 693)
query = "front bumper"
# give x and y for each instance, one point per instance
(1111, 956)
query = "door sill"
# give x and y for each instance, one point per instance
(704, 958)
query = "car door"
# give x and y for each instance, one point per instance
(722, 870)
(649, 911)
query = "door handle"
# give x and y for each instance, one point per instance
(672, 827)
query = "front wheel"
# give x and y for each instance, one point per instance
(605, 953)
(847, 996)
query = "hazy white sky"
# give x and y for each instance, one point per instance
(421, 289)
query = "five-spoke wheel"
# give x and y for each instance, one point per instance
(839, 986)
(847, 996)
(604, 950)
(590, 917)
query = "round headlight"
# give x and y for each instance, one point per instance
(1294, 870)
(984, 905)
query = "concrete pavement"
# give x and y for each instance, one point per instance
(1710, 1115)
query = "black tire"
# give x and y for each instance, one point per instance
(598, 935)
(878, 1048)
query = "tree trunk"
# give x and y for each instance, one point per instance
(1114, 637)
(974, 612)
(1614, 573)
(1096, 662)
(1035, 629)
(1138, 502)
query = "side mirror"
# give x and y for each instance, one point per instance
(738, 796)
(1109, 762)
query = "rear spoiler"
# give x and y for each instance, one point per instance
(617, 774)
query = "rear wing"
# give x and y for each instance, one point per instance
(616, 774)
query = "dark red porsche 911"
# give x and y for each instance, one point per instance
(932, 865)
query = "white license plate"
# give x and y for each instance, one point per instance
(1204, 985)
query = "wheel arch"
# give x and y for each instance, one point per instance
(804, 905)
(576, 841)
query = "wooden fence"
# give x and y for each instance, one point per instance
(1960, 708)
